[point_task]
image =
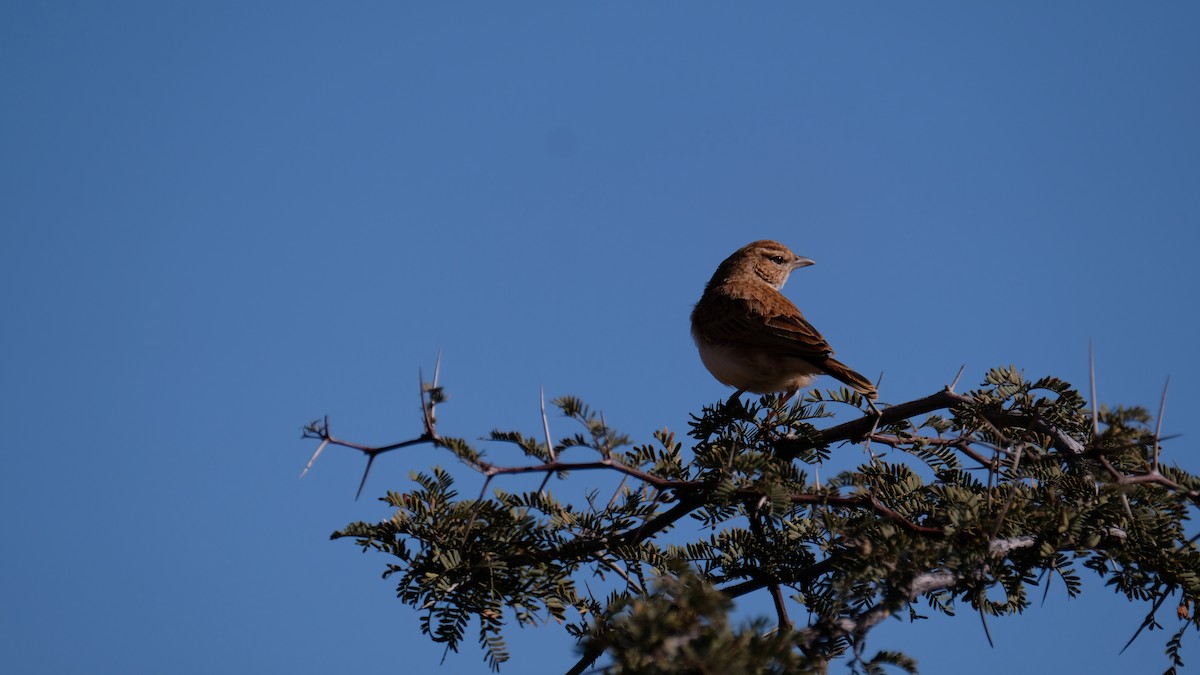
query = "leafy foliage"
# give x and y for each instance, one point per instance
(683, 627)
(961, 500)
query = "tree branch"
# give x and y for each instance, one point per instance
(858, 429)
(920, 585)
(886, 507)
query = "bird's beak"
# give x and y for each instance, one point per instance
(802, 262)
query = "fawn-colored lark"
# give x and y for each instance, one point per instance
(754, 339)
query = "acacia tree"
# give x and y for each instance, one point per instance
(961, 498)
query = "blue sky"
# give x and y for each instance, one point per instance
(223, 220)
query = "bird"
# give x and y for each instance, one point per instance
(752, 338)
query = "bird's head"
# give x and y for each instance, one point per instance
(767, 260)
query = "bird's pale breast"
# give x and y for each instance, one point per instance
(754, 370)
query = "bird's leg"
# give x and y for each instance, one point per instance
(787, 396)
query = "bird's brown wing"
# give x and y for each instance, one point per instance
(805, 340)
(744, 322)
(747, 322)
(792, 332)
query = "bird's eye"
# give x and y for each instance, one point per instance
(777, 259)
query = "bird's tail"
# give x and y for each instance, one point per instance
(861, 384)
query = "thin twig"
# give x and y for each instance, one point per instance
(617, 493)
(954, 384)
(754, 516)
(606, 451)
(370, 460)
(629, 581)
(545, 481)
(1012, 495)
(785, 623)
(987, 632)
(475, 511)
(549, 442)
(1145, 622)
(1049, 579)
(1092, 381)
(1128, 509)
(314, 457)
(546, 425)
(1158, 426)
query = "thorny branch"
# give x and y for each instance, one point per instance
(925, 583)
(858, 429)
(789, 446)
(685, 496)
